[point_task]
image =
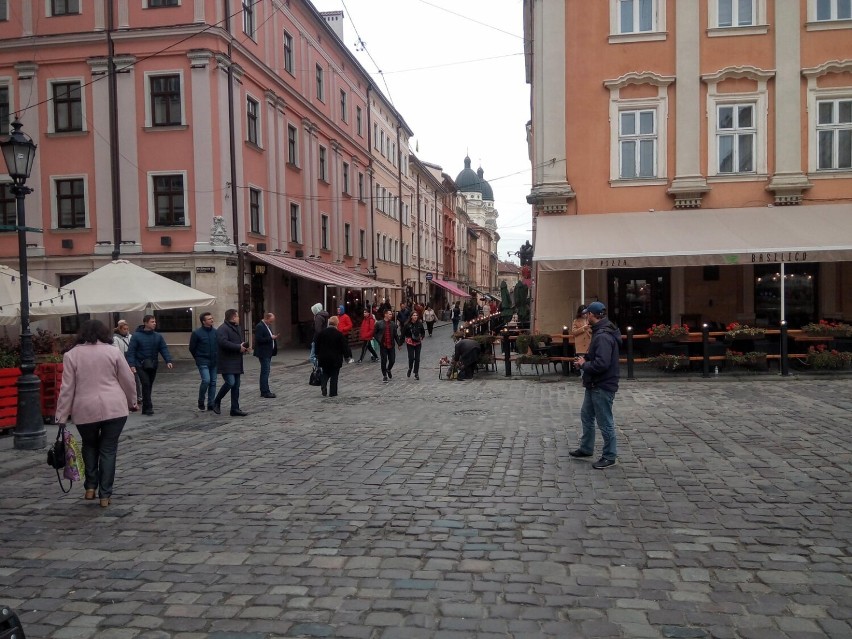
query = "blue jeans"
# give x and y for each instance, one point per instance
(265, 368)
(597, 405)
(100, 448)
(232, 383)
(208, 384)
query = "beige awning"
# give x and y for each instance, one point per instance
(805, 233)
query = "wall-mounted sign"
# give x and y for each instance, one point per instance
(429, 277)
(205, 269)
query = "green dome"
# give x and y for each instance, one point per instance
(469, 181)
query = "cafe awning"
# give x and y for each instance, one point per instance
(449, 286)
(696, 237)
(322, 272)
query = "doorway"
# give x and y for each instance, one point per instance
(639, 297)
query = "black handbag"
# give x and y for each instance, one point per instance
(56, 456)
(10, 625)
(316, 377)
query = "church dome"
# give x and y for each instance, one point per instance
(469, 181)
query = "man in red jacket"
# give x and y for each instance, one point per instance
(368, 325)
(345, 325)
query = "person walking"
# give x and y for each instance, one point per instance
(320, 322)
(385, 333)
(581, 332)
(265, 348)
(430, 318)
(345, 325)
(456, 316)
(403, 313)
(146, 347)
(231, 350)
(204, 348)
(121, 340)
(332, 349)
(600, 371)
(413, 333)
(98, 391)
(368, 325)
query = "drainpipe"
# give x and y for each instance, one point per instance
(113, 136)
(399, 198)
(373, 244)
(418, 229)
(232, 148)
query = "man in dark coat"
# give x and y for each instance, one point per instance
(231, 349)
(332, 348)
(265, 346)
(204, 347)
(466, 357)
(386, 334)
(144, 351)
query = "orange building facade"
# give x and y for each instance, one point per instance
(691, 160)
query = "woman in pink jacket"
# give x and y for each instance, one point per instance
(98, 390)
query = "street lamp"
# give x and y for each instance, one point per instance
(19, 154)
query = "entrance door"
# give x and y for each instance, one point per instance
(639, 297)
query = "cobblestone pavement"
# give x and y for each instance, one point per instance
(443, 510)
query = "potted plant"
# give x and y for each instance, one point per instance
(522, 343)
(743, 331)
(666, 333)
(827, 328)
(820, 357)
(669, 362)
(752, 360)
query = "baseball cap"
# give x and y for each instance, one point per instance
(596, 308)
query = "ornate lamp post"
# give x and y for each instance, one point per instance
(19, 154)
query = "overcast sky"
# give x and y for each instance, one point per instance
(454, 69)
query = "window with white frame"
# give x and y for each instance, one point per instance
(346, 178)
(320, 84)
(252, 120)
(323, 164)
(288, 53)
(64, 7)
(168, 198)
(324, 232)
(67, 103)
(735, 13)
(70, 203)
(831, 10)
(292, 145)
(248, 17)
(637, 16)
(165, 104)
(362, 243)
(295, 223)
(375, 136)
(347, 238)
(255, 210)
(834, 134)
(637, 144)
(736, 138)
(152, 4)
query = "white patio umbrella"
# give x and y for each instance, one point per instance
(44, 298)
(121, 286)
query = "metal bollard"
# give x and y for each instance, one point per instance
(705, 346)
(630, 374)
(507, 354)
(785, 360)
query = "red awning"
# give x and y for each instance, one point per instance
(452, 288)
(330, 274)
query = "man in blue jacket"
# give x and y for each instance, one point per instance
(204, 347)
(600, 378)
(143, 354)
(265, 347)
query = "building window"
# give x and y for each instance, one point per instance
(165, 100)
(320, 84)
(827, 10)
(255, 211)
(248, 17)
(347, 238)
(5, 110)
(4, 13)
(361, 187)
(252, 113)
(637, 143)
(168, 197)
(175, 320)
(834, 134)
(70, 204)
(64, 7)
(362, 243)
(346, 178)
(735, 13)
(344, 108)
(71, 324)
(292, 146)
(288, 53)
(323, 164)
(375, 136)
(67, 106)
(735, 138)
(636, 16)
(295, 223)
(8, 206)
(324, 232)
(163, 3)
(359, 125)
